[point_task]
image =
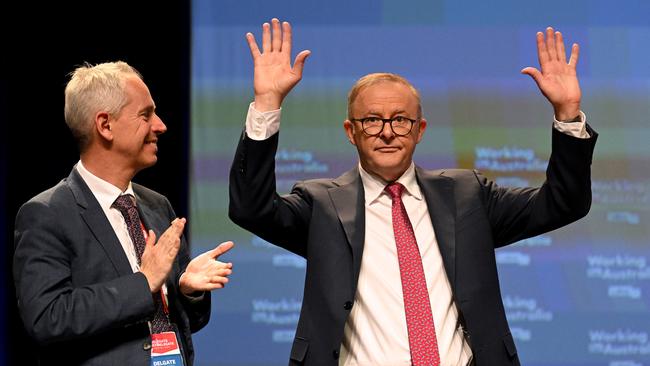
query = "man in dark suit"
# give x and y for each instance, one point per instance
(102, 277)
(400, 261)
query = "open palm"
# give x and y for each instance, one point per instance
(205, 272)
(274, 77)
(557, 79)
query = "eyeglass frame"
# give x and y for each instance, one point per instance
(385, 120)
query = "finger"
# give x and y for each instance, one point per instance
(218, 266)
(207, 286)
(226, 265)
(534, 73)
(266, 37)
(542, 55)
(575, 51)
(173, 248)
(171, 237)
(286, 38)
(223, 272)
(255, 51)
(550, 44)
(219, 279)
(276, 36)
(212, 286)
(221, 248)
(176, 229)
(299, 63)
(559, 46)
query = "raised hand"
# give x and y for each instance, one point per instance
(156, 261)
(205, 272)
(557, 79)
(274, 77)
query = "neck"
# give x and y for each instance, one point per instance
(386, 177)
(107, 168)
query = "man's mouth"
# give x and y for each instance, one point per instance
(387, 149)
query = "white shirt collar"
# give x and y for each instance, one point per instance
(104, 192)
(373, 187)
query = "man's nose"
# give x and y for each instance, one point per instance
(387, 130)
(159, 126)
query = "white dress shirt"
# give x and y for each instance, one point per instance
(375, 332)
(106, 194)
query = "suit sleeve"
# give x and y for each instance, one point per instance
(254, 203)
(52, 306)
(564, 197)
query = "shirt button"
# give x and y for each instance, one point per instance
(347, 305)
(146, 346)
(335, 354)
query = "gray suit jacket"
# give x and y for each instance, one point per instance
(77, 294)
(323, 221)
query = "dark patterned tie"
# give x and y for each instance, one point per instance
(126, 205)
(419, 321)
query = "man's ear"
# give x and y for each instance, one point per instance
(103, 125)
(422, 126)
(349, 130)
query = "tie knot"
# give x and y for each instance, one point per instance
(395, 190)
(124, 202)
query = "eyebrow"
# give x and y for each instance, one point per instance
(148, 110)
(375, 113)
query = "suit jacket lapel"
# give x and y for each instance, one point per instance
(438, 192)
(348, 199)
(146, 213)
(92, 213)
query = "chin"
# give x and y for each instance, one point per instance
(149, 162)
(393, 172)
(387, 174)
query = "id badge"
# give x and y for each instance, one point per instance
(165, 350)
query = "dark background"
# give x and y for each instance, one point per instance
(40, 47)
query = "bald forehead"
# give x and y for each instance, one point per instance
(386, 96)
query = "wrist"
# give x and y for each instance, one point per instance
(185, 287)
(568, 114)
(267, 103)
(154, 286)
(182, 284)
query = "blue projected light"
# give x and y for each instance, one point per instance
(576, 296)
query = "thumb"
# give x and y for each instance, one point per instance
(151, 239)
(299, 63)
(533, 73)
(221, 249)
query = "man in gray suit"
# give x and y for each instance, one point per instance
(102, 271)
(378, 289)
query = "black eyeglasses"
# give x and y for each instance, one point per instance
(373, 126)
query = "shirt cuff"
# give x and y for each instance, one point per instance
(195, 297)
(262, 125)
(576, 129)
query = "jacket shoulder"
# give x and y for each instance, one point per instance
(455, 174)
(56, 195)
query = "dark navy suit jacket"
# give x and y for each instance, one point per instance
(77, 294)
(322, 220)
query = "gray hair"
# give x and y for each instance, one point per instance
(372, 79)
(92, 89)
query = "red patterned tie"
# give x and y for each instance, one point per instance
(126, 205)
(419, 321)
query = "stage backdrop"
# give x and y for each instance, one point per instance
(576, 296)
